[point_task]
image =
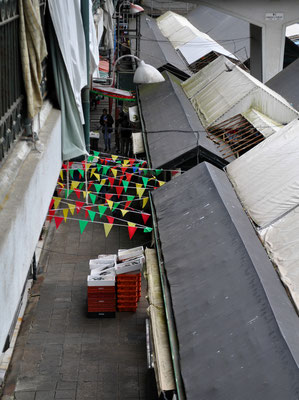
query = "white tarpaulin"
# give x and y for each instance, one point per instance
(108, 9)
(93, 44)
(282, 243)
(200, 47)
(67, 21)
(222, 90)
(265, 125)
(177, 28)
(266, 178)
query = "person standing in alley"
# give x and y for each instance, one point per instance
(125, 133)
(106, 122)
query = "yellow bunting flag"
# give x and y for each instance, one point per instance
(74, 185)
(132, 229)
(126, 162)
(98, 176)
(144, 202)
(124, 212)
(57, 200)
(65, 213)
(161, 183)
(87, 166)
(110, 204)
(85, 193)
(61, 174)
(92, 171)
(114, 158)
(139, 189)
(72, 208)
(60, 184)
(103, 181)
(107, 228)
(114, 172)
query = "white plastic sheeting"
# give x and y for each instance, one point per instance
(282, 243)
(108, 9)
(266, 178)
(177, 28)
(200, 47)
(222, 90)
(93, 43)
(71, 39)
(265, 125)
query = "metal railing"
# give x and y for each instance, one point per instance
(11, 81)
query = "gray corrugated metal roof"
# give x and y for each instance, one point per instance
(172, 125)
(232, 33)
(286, 83)
(238, 332)
(155, 49)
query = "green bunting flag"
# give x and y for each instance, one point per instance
(82, 224)
(145, 181)
(115, 205)
(147, 230)
(92, 197)
(105, 169)
(81, 185)
(126, 184)
(99, 167)
(96, 153)
(92, 214)
(98, 187)
(145, 171)
(67, 193)
(72, 173)
(90, 158)
(81, 172)
(102, 210)
(158, 171)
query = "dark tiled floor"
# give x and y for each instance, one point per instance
(62, 354)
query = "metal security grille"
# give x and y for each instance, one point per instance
(234, 136)
(11, 87)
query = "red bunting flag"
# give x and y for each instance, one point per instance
(51, 214)
(120, 180)
(108, 196)
(129, 176)
(64, 166)
(59, 190)
(132, 229)
(58, 221)
(145, 217)
(131, 161)
(119, 190)
(123, 170)
(111, 181)
(79, 205)
(87, 208)
(90, 184)
(70, 164)
(110, 219)
(51, 203)
(78, 193)
(83, 164)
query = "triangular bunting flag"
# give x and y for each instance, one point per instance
(105, 169)
(136, 166)
(103, 181)
(92, 214)
(67, 193)
(90, 159)
(145, 171)
(147, 229)
(144, 202)
(96, 153)
(72, 208)
(123, 170)
(145, 181)
(110, 204)
(61, 174)
(108, 196)
(78, 193)
(120, 180)
(81, 172)
(57, 201)
(51, 214)
(87, 166)
(129, 201)
(81, 185)
(92, 197)
(70, 164)
(74, 185)
(128, 176)
(107, 228)
(131, 161)
(139, 190)
(99, 167)
(161, 183)
(114, 172)
(92, 171)
(87, 208)
(72, 173)
(65, 213)
(98, 187)
(51, 203)
(125, 162)
(82, 224)
(111, 181)
(84, 194)
(59, 190)
(119, 190)
(58, 221)
(132, 229)
(98, 176)
(110, 219)
(79, 205)
(64, 166)
(114, 158)
(158, 171)
(126, 184)
(102, 210)
(124, 212)
(116, 204)
(90, 185)
(145, 217)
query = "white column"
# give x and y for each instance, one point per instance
(273, 49)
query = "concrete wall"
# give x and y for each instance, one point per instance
(28, 179)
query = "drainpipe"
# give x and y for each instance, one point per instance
(86, 89)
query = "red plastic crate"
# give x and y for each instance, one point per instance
(102, 295)
(102, 289)
(126, 309)
(127, 297)
(100, 302)
(101, 309)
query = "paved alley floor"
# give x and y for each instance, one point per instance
(62, 354)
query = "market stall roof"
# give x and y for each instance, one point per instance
(172, 126)
(286, 83)
(238, 333)
(222, 90)
(157, 51)
(230, 32)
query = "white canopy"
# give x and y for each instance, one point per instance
(222, 90)
(266, 178)
(201, 46)
(177, 28)
(261, 122)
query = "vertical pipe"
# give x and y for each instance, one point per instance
(85, 90)
(68, 178)
(86, 183)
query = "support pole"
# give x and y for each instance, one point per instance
(86, 89)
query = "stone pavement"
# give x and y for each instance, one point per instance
(62, 354)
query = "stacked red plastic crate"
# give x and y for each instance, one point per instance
(128, 291)
(101, 299)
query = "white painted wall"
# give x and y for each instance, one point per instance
(23, 209)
